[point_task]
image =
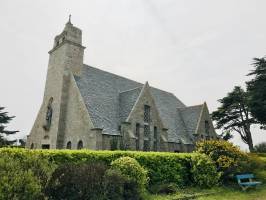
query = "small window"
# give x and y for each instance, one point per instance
(147, 113)
(207, 127)
(137, 135)
(68, 146)
(146, 131)
(155, 144)
(155, 133)
(80, 145)
(146, 145)
(32, 146)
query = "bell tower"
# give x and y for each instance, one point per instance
(70, 43)
(65, 61)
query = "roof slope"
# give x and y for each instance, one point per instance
(127, 100)
(191, 115)
(109, 99)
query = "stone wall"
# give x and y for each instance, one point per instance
(136, 116)
(77, 124)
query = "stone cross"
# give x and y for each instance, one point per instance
(69, 19)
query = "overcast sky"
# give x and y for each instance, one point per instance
(198, 50)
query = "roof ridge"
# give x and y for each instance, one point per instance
(130, 90)
(198, 105)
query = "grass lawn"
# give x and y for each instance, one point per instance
(220, 193)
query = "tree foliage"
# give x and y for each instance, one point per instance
(5, 119)
(257, 90)
(233, 116)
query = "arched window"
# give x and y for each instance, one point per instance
(80, 145)
(68, 146)
(32, 146)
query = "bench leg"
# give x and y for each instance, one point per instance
(244, 188)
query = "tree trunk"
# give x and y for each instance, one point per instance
(249, 140)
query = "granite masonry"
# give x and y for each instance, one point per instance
(85, 107)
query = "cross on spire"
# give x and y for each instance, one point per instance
(69, 19)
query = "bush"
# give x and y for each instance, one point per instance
(251, 164)
(120, 187)
(227, 157)
(77, 181)
(114, 185)
(23, 177)
(203, 171)
(131, 169)
(260, 148)
(90, 181)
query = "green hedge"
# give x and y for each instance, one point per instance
(163, 167)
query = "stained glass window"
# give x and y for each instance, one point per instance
(146, 131)
(147, 112)
(146, 146)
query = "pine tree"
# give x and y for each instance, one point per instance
(5, 119)
(233, 116)
(257, 90)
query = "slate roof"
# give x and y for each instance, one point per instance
(190, 116)
(109, 99)
(127, 100)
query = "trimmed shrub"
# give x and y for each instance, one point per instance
(227, 157)
(163, 167)
(203, 171)
(130, 168)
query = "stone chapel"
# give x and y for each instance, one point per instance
(86, 107)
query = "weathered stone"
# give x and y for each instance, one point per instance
(101, 110)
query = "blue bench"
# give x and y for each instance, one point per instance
(246, 181)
